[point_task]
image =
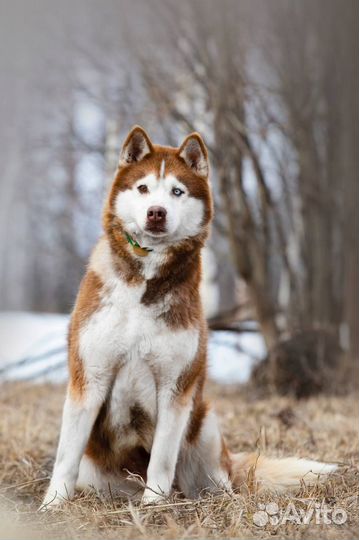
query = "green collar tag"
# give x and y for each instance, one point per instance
(141, 251)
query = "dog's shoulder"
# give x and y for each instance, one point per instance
(101, 262)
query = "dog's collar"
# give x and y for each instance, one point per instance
(141, 251)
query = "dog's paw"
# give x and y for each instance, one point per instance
(53, 499)
(150, 497)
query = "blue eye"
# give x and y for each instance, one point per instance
(177, 192)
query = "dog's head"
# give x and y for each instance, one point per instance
(160, 195)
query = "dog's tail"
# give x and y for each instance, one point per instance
(277, 474)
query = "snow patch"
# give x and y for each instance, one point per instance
(33, 347)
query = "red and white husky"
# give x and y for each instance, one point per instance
(138, 340)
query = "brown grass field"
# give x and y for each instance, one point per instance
(324, 428)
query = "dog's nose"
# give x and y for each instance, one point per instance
(156, 214)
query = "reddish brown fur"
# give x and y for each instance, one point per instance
(198, 414)
(226, 461)
(243, 469)
(101, 447)
(191, 380)
(181, 274)
(87, 302)
(197, 378)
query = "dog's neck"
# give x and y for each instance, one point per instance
(165, 268)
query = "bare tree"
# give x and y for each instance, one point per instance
(280, 131)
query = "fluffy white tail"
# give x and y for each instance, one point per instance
(277, 474)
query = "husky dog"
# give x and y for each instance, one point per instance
(138, 345)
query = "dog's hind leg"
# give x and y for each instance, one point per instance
(91, 477)
(204, 463)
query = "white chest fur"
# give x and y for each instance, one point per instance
(123, 328)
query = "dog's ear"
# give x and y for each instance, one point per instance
(136, 146)
(194, 153)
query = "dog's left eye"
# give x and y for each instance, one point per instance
(177, 192)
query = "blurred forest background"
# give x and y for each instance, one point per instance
(273, 88)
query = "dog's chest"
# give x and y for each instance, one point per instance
(123, 330)
(121, 325)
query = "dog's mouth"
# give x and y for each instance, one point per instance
(156, 230)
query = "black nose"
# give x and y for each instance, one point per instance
(156, 214)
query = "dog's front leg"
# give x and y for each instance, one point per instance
(79, 415)
(172, 420)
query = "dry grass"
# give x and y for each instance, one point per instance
(325, 428)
